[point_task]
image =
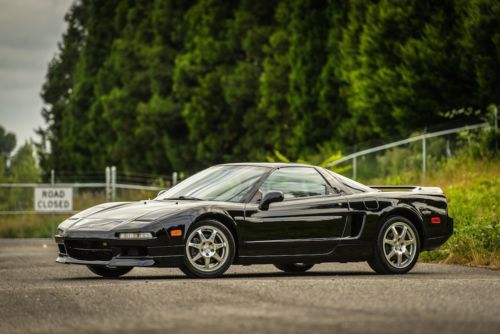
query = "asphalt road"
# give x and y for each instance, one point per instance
(39, 296)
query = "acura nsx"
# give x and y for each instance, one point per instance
(291, 215)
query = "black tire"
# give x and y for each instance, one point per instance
(110, 272)
(192, 269)
(379, 262)
(294, 267)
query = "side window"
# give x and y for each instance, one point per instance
(295, 182)
(353, 186)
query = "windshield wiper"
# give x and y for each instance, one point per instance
(189, 198)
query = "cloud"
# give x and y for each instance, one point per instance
(29, 33)
(13, 59)
(31, 24)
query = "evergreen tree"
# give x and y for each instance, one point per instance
(214, 129)
(333, 87)
(161, 126)
(307, 56)
(162, 85)
(7, 143)
(57, 89)
(248, 32)
(273, 123)
(481, 48)
(24, 167)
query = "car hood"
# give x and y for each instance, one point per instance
(109, 216)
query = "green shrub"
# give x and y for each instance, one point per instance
(476, 238)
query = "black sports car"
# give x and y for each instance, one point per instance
(289, 215)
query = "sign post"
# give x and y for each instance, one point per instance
(52, 218)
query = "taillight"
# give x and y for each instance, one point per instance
(436, 220)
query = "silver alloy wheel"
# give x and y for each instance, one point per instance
(400, 244)
(207, 248)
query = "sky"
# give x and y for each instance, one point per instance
(29, 33)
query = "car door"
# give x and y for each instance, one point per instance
(310, 219)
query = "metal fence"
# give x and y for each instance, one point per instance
(18, 198)
(18, 214)
(423, 139)
(419, 152)
(18, 217)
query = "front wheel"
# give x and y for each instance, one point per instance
(109, 272)
(294, 267)
(209, 250)
(397, 247)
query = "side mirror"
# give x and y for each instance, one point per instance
(271, 197)
(161, 192)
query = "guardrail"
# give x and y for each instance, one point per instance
(422, 137)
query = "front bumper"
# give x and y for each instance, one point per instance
(118, 253)
(115, 262)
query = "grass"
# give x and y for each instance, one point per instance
(473, 191)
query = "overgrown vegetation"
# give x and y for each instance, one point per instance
(472, 187)
(471, 182)
(473, 191)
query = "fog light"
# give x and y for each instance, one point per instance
(136, 235)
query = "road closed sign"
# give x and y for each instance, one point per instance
(53, 199)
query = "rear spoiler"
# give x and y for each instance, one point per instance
(416, 189)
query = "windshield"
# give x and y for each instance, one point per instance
(219, 183)
(353, 185)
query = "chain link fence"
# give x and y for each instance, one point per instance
(18, 217)
(422, 152)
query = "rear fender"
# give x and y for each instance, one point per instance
(408, 212)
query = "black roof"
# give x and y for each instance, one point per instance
(267, 164)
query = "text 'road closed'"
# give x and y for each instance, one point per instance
(53, 199)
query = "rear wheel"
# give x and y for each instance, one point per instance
(397, 247)
(209, 250)
(110, 272)
(294, 267)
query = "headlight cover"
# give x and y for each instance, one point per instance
(136, 235)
